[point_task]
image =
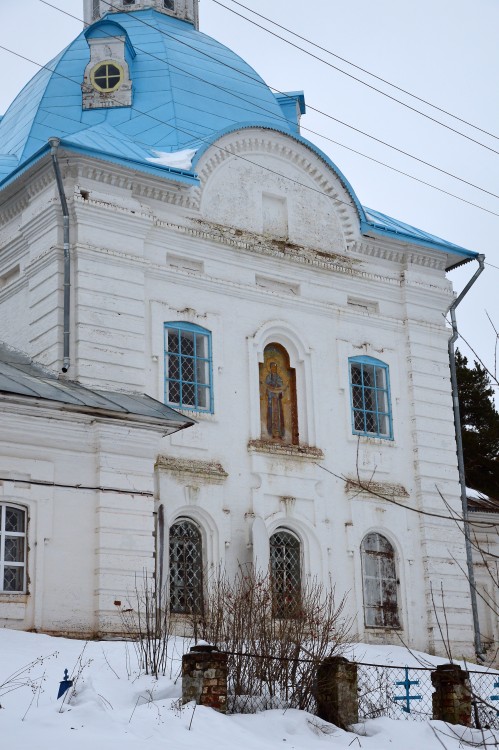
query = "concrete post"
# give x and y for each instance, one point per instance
(204, 677)
(452, 696)
(337, 695)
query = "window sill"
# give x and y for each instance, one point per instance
(198, 416)
(14, 598)
(371, 439)
(383, 629)
(305, 452)
(13, 606)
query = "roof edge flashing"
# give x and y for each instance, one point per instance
(375, 232)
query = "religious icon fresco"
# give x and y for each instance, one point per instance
(278, 412)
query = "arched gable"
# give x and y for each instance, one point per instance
(271, 183)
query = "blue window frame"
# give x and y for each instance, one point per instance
(188, 370)
(370, 397)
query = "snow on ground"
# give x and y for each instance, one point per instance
(114, 708)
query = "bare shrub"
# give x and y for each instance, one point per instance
(147, 622)
(272, 661)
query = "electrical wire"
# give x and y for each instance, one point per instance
(354, 78)
(238, 156)
(357, 67)
(138, 492)
(258, 80)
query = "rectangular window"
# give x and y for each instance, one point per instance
(188, 367)
(370, 398)
(13, 523)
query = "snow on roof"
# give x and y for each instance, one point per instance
(188, 90)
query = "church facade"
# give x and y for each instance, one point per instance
(166, 230)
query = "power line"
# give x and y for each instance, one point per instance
(354, 65)
(355, 78)
(238, 156)
(325, 114)
(258, 80)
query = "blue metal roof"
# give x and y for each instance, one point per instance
(186, 86)
(188, 90)
(381, 225)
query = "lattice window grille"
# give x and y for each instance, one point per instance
(379, 582)
(285, 567)
(370, 397)
(186, 568)
(13, 522)
(188, 367)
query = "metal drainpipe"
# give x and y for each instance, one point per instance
(460, 457)
(54, 145)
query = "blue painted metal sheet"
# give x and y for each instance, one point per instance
(186, 86)
(188, 90)
(380, 224)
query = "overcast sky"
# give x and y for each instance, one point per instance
(443, 51)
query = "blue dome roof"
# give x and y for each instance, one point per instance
(186, 88)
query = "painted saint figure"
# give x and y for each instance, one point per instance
(275, 413)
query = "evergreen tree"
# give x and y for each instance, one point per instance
(480, 427)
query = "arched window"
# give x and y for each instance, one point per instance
(370, 397)
(13, 523)
(169, 4)
(379, 582)
(278, 408)
(186, 567)
(285, 571)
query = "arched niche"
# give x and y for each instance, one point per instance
(300, 361)
(278, 403)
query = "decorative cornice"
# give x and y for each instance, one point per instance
(267, 245)
(395, 253)
(208, 471)
(164, 191)
(377, 490)
(306, 452)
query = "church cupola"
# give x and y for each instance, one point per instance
(186, 10)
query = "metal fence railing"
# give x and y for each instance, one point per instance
(396, 692)
(257, 683)
(406, 693)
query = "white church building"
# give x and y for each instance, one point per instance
(213, 353)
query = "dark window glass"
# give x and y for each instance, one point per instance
(379, 580)
(12, 549)
(188, 366)
(186, 568)
(285, 568)
(370, 398)
(169, 4)
(107, 77)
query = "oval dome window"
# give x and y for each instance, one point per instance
(106, 76)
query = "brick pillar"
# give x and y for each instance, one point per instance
(452, 696)
(337, 696)
(204, 677)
